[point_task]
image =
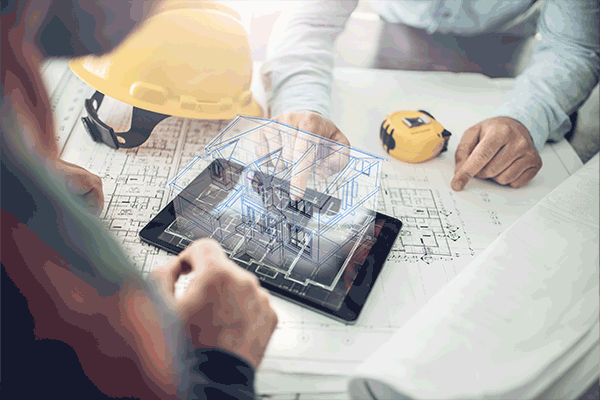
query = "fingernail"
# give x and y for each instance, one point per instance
(458, 184)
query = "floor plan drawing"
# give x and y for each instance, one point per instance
(256, 195)
(431, 230)
(134, 180)
(425, 231)
(443, 230)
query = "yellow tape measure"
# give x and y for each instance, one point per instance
(413, 136)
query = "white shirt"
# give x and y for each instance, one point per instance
(564, 70)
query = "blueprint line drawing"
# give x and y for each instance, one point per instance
(246, 197)
(134, 180)
(135, 184)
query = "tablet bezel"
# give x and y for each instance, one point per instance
(355, 299)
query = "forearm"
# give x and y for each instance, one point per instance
(298, 72)
(564, 70)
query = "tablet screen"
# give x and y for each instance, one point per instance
(309, 248)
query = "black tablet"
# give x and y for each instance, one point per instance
(329, 268)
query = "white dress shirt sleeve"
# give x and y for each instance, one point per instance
(298, 73)
(564, 70)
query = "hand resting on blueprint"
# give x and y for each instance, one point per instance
(81, 182)
(305, 158)
(498, 148)
(224, 306)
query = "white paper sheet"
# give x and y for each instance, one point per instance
(459, 227)
(135, 190)
(504, 327)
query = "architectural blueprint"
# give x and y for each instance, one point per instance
(442, 232)
(292, 207)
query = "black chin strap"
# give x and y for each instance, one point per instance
(142, 124)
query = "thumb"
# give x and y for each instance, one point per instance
(164, 277)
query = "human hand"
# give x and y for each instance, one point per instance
(498, 148)
(224, 305)
(296, 149)
(81, 182)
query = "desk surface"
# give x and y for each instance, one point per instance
(432, 251)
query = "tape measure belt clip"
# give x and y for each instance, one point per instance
(446, 135)
(426, 113)
(387, 138)
(142, 124)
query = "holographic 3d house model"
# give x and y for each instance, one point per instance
(294, 205)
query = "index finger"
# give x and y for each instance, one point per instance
(467, 144)
(483, 152)
(303, 156)
(165, 276)
(191, 260)
(268, 142)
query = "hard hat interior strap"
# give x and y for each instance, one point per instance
(142, 124)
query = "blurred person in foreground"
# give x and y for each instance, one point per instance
(79, 322)
(470, 36)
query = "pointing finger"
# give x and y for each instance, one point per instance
(484, 151)
(467, 143)
(303, 162)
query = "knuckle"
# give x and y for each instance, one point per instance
(274, 318)
(502, 131)
(489, 130)
(458, 160)
(312, 125)
(265, 298)
(521, 144)
(96, 181)
(460, 153)
(534, 156)
(217, 276)
(503, 180)
(269, 310)
(249, 281)
(516, 185)
(485, 174)
(481, 158)
(206, 247)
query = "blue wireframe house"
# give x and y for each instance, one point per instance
(294, 203)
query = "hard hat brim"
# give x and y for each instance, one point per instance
(170, 107)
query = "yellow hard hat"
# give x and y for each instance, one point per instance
(189, 59)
